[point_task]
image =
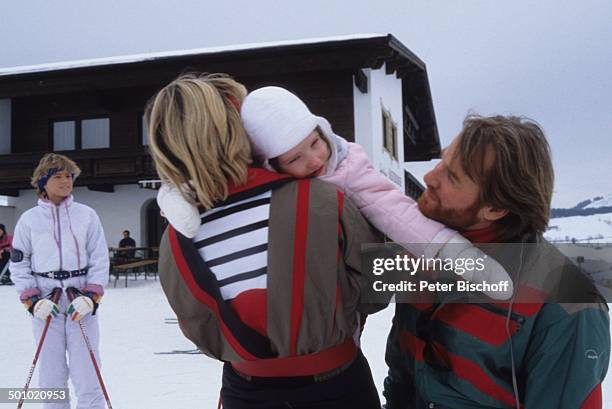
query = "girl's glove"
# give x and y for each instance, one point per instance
(41, 308)
(82, 304)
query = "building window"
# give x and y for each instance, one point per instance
(394, 139)
(144, 130)
(389, 134)
(5, 126)
(95, 133)
(92, 133)
(413, 187)
(64, 136)
(411, 126)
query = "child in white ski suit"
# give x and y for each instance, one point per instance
(281, 128)
(61, 244)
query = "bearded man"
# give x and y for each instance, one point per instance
(548, 347)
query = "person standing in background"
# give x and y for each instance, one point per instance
(6, 241)
(59, 246)
(127, 242)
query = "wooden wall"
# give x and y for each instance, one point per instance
(33, 116)
(328, 94)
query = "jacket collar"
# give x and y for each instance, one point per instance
(46, 203)
(258, 177)
(486, 235)
(259, 180)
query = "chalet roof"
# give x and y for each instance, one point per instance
(343, 53)
(142, 57)
(249, 63)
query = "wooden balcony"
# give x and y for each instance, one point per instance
(101, 169)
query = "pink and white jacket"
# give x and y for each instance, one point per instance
(52, 238)
(382, 202)
(6, 242)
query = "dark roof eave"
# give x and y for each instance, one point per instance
(346, 55)
(219, 55)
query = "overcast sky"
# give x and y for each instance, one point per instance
(550, 60)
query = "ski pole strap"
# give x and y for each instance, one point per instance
(302, 365)
(55, 294)
(62, 274)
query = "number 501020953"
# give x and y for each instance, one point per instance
(34, 395)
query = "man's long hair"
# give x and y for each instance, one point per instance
(521, 178)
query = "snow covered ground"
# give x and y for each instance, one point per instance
(133, 330)
(595, 228)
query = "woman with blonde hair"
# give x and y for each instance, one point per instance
(59, 250)
(270, 282)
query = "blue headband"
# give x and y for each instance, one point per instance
(42, 182)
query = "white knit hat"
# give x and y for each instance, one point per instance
(276, 121)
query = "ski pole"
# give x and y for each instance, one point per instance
(93, 358)
(54, 297)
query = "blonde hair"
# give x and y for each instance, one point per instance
(521, 177)
(196, 136)
(53, 161)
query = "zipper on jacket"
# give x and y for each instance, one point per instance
(59, 237)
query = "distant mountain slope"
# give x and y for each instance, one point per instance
(600, 202)
(597, 205)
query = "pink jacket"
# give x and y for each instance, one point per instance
(385, 206)
(6, 242)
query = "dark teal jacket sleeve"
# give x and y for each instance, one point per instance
(567, 360)
(399, 390)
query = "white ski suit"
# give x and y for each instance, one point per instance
(65, 237)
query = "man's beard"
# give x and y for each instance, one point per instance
(458, 219)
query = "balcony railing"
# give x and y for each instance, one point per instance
(100, 168)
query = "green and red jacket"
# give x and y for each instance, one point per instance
(461, 356)
(305, 298)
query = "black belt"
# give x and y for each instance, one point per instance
(62, 274)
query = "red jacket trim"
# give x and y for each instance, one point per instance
(340, 197)
(299, 261)
(594, 400)
(303, 365)
(257, 177)
(462, 368)
(469, 318)
(203, 297)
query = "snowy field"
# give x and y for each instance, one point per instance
(581, 228)
(133, 332)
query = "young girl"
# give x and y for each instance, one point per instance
(286, 137)
(60, 244)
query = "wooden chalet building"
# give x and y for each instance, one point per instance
(371, 88)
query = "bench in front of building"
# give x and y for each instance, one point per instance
(137, 267)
